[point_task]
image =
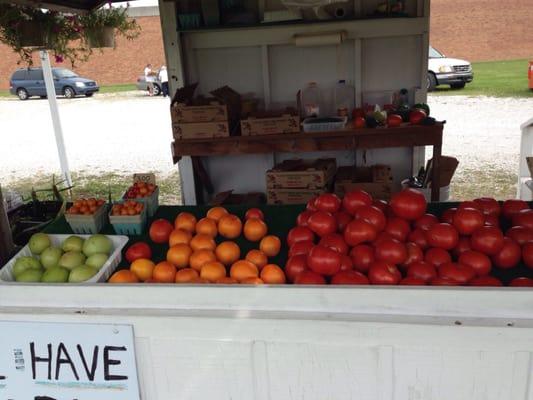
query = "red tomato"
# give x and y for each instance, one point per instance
(422, 270)
(520, 234)
(346, 263)
(254, 213)
(443, 236)
(309, 278)
(324, 260)
(521, 282)
(359, 122)
(138, 250)
(303, 247)
(509, 256)
(417, 116)
(335, 242)
(160, 231)
(398, 228)
(458, 272)
(343, 219)
(487, 239)
(359, 231)
(479, 262)
(303, 218)
(527, 254)
(492, 220)
(394, 120)
(485, 281)
(383, 273)
(328, 202)
(349, 278)
(372, 215)
(437, 257)
(300, 234)
(468, 204)
(426, 221)
(418, 236)
(462, 246)
(295, 265)
(440, 281)
(353, 200)
(391, 251)
(412, 281)
(523, 218)
(311, 204)
(382, 205)
(414, 254)
(408, 204)
(513, 206)
(488, 206)
(362, 257)
(447, 216)
(467, 220)
(322, 223)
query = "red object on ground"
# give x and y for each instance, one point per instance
(530, 74)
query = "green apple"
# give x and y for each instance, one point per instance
(51, 256)
(72, 243)
(39, 242)
(71, 260)
(81, 274)
(97, 260)
(30, 275)
(55, 275)
(97, 244)
(24, 263)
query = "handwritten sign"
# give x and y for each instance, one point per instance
(146, 178)
(42, 361)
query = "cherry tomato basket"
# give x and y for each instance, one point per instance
(88, 224)
(151, 202)
(129, 224)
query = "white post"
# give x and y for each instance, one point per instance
(54, 112)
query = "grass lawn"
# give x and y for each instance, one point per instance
(495, 78)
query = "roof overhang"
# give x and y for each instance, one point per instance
(64, 5)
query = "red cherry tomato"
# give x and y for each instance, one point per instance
(391, 251)
(412, 281)
(443, 236)
(303, 247)
(300, 234)
(521, 282)
(328, 202)
(485, 281)
(523, 218)
(418, 236)
(138, 250)
(322, 223)
(343, 219)
(254, 213)
(422, 270)
(492, 220)
(346, 263)
(295, 265)
(426, 221)
(513, 206)
(372, 215)
(527, 254)
(440, 281)
(437, 257)
(466, 220)
(458, 272)
(414, 254)
(335, 242)
(408, 204)
(303, 218)
(488, 206)
(487, 239)
(160, 231)
(520, 234)
(509, 256)
(324, 260)
(311, 204)
(355, 199)
(309, 278)
(362, 257)
(359, 231)
(398, 228)
(382, 205)
(462, 246)
(479, 262)
(383, 273)
(349, 278)
(447, 216)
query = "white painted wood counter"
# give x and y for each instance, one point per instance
(307, 342)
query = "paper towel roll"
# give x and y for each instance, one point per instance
(324, 39)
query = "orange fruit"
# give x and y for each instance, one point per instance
(179, 255)
(201, 257)
(207, 226)
(230, 226)
(200, 280)
(164, 272)
(186, 275)
(258, 258)
(226, 280)
(228, 252)
(273, 274)
(212, 271)
(270, 245)
(243, 269)
(255, 229)
(216, 213)
(252, 281)
(124, 276)
(185, 221)
(203, 242)
(143, 268)
(179, 236)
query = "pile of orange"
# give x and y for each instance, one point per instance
(85, 206)
(129, 207)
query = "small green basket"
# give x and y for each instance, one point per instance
(129, 224)
(88, 224)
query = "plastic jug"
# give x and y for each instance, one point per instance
(344, 99)
(311, 100)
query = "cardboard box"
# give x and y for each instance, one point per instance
(376, 180)
(291, 196)
(300, 174)
(270, 124)
(213, 112)
(200, 130)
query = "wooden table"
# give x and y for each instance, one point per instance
(346, 139)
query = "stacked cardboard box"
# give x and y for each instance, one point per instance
(271, 123)
(376, 180)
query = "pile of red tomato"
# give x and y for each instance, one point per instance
(357, 240)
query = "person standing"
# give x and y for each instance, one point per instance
(149, 78)
(163, 78)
